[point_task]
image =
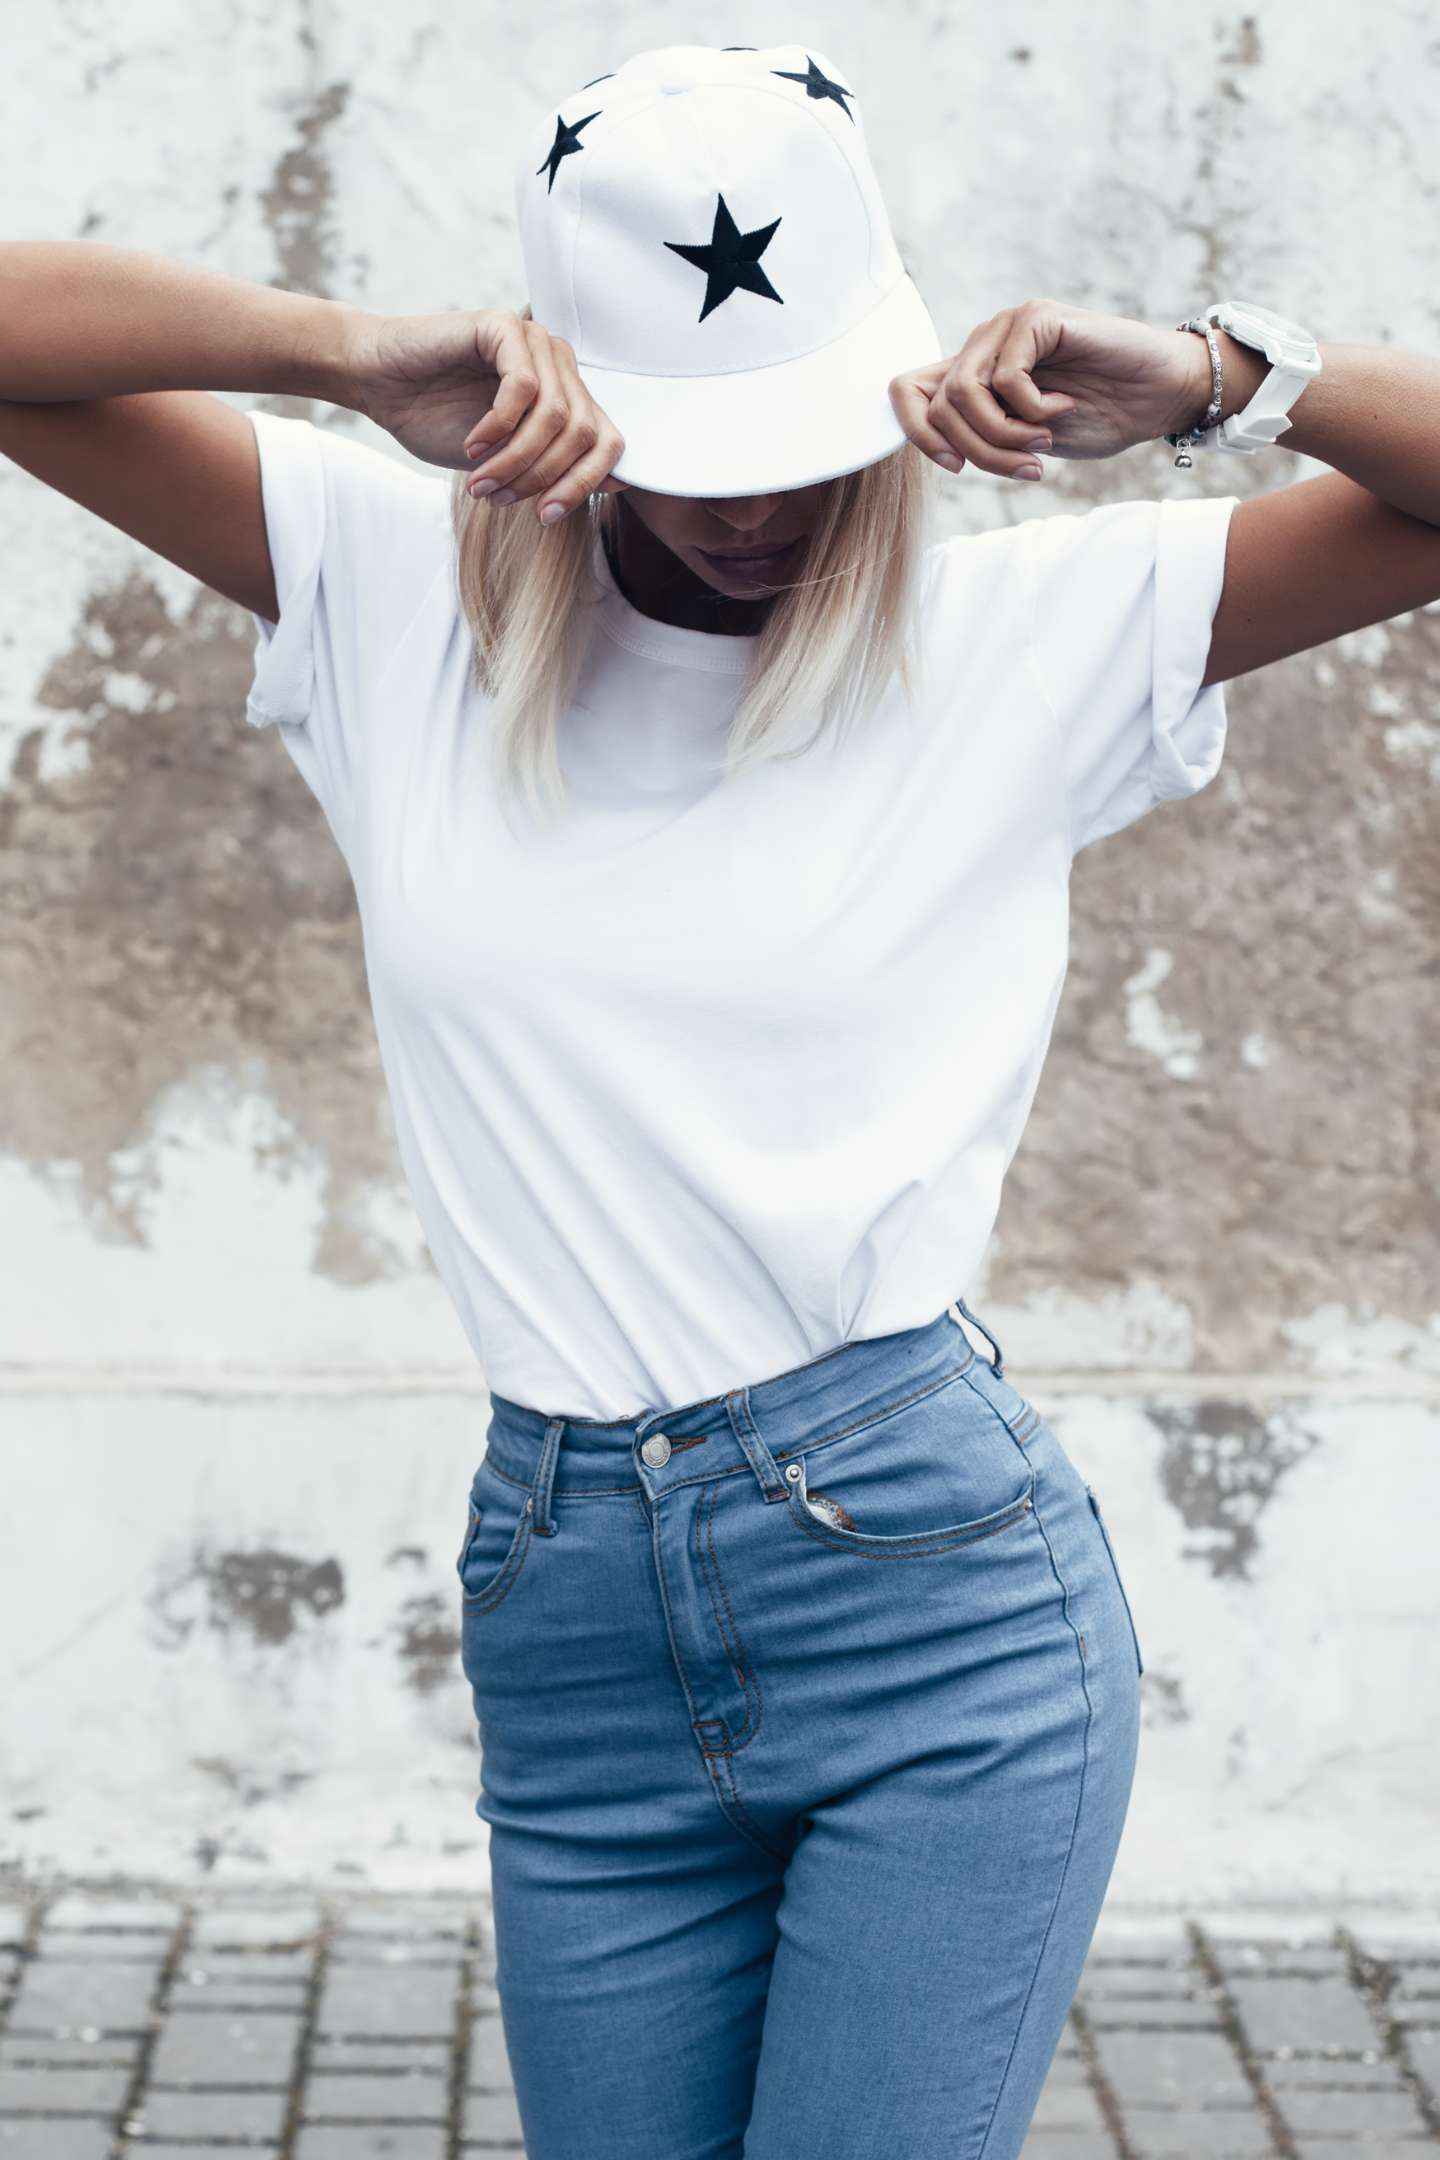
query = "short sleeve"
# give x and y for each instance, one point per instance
(356, 540)
(1122, 599)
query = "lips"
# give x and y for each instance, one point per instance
(756, 559)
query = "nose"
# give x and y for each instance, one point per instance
(745, 513)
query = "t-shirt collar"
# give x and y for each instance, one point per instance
(711, 651)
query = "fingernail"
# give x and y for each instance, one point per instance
(552, 513)
(483, 487)
(948, 459)
(501, 495)
(1029, 472)
(1038, 442)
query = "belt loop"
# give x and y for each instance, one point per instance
(747, 1432)
(997, 1363)
(544, 1481)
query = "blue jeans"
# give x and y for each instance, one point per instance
(808, 1719)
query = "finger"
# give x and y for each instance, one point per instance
(912, 402)
(519, 383)
(599, 442)
(1011, 377)
(547, 416)
(966, 390)
(967, 442)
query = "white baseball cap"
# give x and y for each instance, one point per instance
(704, 227)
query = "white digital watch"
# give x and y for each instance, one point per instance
(1294, 360)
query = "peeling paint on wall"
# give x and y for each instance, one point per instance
(175, 902)
(1220, 1469)
(257, 1593)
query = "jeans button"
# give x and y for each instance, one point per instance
(655, 1450)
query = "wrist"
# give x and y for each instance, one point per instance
(1242, 370)
(330, 337)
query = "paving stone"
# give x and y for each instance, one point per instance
(433, 1954)
(14, 1922)
(1265, 1961)
(1333, 2114)
(1160, 2069)
(96, 1909)
(47, 2139)
(393, 2000)
(1140, 1976)
(1066, 2104)
(198, 2048)
(1363, 2148)
(1045, 2145)
(363, 2054)
(40, 2050)
(490, 2118)
(355, 2143)
(1148, 2013)
(489, 2061)
(246, 1927)
(1198, 2134)
(94, 1945)
(1140, 1935)
(65, 2089)
(1287, 1930)
(226, 1993)
(415, 2096)
(59, 1997)
(217, 1965)
(413, 1922)
(201, 2115)
(1302, 2014)
(1368, 2072)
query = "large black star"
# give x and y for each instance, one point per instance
(732, 259)
(818, 85)
(567, 138)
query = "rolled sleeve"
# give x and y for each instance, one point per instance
(292, 479)
(357, 540)
(1123, 602)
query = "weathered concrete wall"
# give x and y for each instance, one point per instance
(237, 1418)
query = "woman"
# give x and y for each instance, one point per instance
(710, 824)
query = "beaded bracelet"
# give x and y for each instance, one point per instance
(1188, 438)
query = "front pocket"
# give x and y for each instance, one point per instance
(497, 1539)
(929, 1474)
(1119, 1580)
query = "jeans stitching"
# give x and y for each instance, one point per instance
(1119, 1581)
(811, 1447)
(1069, 1849)
(735, 1649)
(720, 1761)
(503, 1582)
(922, 1542)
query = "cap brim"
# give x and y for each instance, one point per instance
(759, 430)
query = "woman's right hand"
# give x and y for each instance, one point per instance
(489, 385)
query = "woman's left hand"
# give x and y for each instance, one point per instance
(1095, 384)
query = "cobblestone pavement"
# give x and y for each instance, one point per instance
(308, 2028)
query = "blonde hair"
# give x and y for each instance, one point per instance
(831, 641)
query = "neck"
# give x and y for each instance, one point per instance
(653, 579)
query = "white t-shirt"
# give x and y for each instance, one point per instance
(703, 1078)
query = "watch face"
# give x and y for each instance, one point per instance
(1269, 328)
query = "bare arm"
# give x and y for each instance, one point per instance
(107, 359)
(79, 320)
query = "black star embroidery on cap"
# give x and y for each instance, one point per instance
(731, 260)
(818, 85)
(567, 138)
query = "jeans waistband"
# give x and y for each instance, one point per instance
(754, 1426)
